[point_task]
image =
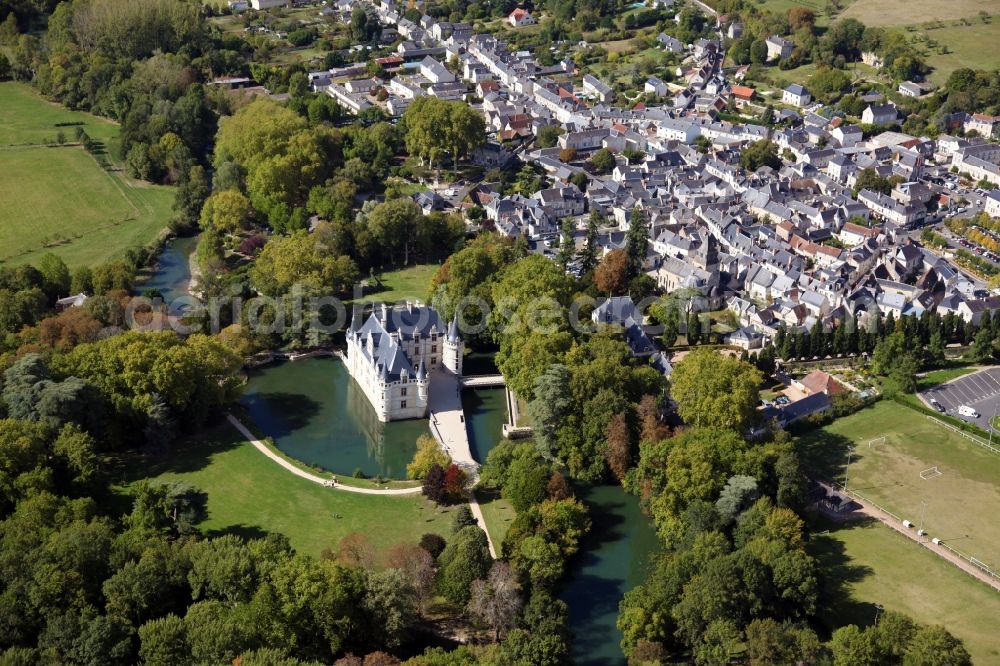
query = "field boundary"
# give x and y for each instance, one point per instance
(989, 576)
(971, 438)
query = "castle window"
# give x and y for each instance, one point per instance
(434, 349)
(402, 405)
(434, 336)
(434, 360)
(402, 392)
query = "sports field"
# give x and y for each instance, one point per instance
(58, 198)
(868, 564)
(961, 503)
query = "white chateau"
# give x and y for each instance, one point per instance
(392, 355)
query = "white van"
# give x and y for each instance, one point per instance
(965, 410)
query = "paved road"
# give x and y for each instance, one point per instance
(980, 390)
(260, 446)
(924, 541)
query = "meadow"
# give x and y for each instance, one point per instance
(410, 283)
(58, 198)
(249, 494)
(869, 564)
(960, 503)
(884, 13)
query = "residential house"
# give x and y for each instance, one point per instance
(655, 86)
(879, 114)
(910, 89)
(796, 95)
(779, 48)
(520, 17)
(598, 88)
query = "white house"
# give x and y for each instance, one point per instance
(796, 95)
(520, 17)
(991, 203)
(879, 114)
(910, 89)
(655, 86)
(779, 48)
(598, 88)
(393, 354)
(434, 71)
(267, 4)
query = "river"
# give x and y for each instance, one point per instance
(171, 276)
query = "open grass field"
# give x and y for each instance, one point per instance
(961, 503)
(887, 13)
(59, 199)
(250, 494)
(868, 564)
(412, 282)
(972, 45)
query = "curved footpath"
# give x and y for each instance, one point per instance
(477, 512)
(262, 447)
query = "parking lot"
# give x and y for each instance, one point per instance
(980, 390)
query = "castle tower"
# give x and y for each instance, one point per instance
(421, 383)
(454, 347)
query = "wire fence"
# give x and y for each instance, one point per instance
(971, 438)
(979, 564)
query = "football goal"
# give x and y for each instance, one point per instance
(878, 441)
(930, 473)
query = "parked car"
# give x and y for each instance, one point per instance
(937, 405)
(965, 410)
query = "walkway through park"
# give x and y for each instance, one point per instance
(447, 419)
(884, 518)
(323, 481)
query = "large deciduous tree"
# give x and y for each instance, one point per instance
(713, 389)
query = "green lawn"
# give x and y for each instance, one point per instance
(885, 13)
(498, 514)
(965, 47)
(411, 283)
(59, 199)
(250, 494)
(961, 502)
(935, 377)
(870, 564)
(27, 118)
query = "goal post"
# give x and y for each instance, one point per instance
(872, 443)
(930, 473)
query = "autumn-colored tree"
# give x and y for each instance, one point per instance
(69, 329)
(429, 453)
(611, 276)
(454, 483)
(651, 428)
(557, 487)
(356, 551)
(433, 488)
(418, 565)
(801, 17)
(619, 451)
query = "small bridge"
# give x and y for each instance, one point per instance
(482, 381)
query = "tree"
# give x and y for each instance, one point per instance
(982, 345)
(417, 562)
(612, 274)
(588, 253)
(466, 558)
(55, 275)
(163, 642)
(433, 486)
(393, 224)
(227, 211)
(713, 389)
(567, 245)
(453, 486)
(869, 179)
(935, 645)
(637, 242)
(526, 483)
(548, 136)
(760, 153)
(496, 601)
(603, 161)
(390, 607)
(740, 492)
(619, 452)
(428, 454)
(435, 126)
(551, 405)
